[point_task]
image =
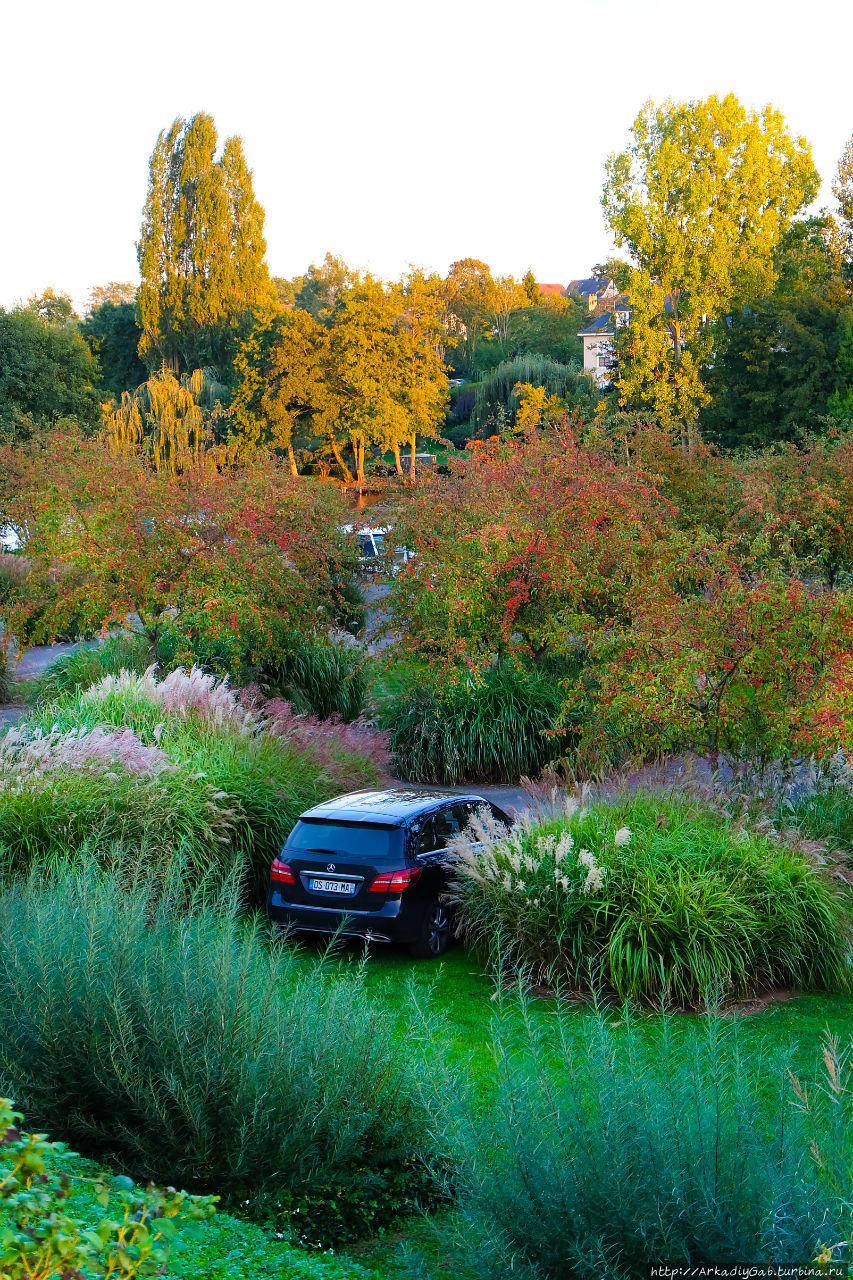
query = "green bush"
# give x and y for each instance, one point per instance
(5, 677)
(85, 666)
(606, 1153)
(324, 680)
(188, 1047)
(199, 776)
(492, 731)
(42, 1234)
(652, 898)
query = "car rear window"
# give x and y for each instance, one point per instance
(359, 839)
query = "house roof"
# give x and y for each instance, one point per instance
(552, 288)
(592, 284)
(600, 326)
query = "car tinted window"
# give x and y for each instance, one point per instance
(427, 841)
(446, 825)
(359, 839)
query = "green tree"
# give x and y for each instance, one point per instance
(201, 249)
(51, 307)
(776, 362)
(842, 188)
(699, 198)
(113, 336)
(531, 288)
(320, 286)
(46, 373)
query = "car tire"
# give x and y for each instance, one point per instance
(435, 934)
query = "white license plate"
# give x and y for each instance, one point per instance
(332, 886)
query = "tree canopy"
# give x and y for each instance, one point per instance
(699, 198)
(201, 248)
(46, 373)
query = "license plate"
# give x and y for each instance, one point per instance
(332, 886)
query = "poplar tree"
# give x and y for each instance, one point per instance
(842, 189)
(700, 198)
(201, 248)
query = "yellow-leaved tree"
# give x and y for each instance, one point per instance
(699, 198)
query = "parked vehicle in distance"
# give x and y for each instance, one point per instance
(373, 864)
(372, 550)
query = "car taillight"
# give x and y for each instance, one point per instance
(281, 873)
(395, 881)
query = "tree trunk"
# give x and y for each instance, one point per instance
(345, 471)
(397, 461)
(412, 453)
(294, 470)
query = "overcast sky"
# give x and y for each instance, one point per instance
(386, 131)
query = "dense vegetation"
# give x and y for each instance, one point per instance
(653, 899)
(603, 573)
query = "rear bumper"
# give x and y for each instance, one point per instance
(392, 922)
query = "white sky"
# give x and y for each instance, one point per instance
(386, 131)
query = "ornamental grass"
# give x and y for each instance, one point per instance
(652, 898)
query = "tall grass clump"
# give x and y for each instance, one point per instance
(608, 1151)
(221, 756)
(86, 665)
(60, 790)
(822, 807)
(493, 730)
(188, 1047)
(653, 898)
(324, 680)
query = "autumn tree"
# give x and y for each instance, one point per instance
(842, 189)
(699, 198)
(420, 335)
(166, 415)
(201, 248)
(51, 307)
(240, 564)
(116, 292)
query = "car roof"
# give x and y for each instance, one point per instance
(394, 806)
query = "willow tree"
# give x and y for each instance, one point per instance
(201, 249)
(699, 198)
(166, 415)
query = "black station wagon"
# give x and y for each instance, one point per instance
(373, 864)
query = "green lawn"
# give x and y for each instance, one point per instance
(448, 1008)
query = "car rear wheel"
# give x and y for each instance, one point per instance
(434, 937)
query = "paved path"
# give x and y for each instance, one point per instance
(31, 663)
(508, 798)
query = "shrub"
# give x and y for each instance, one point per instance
(607, 1152)
(5, 677)
(86, 666)
(652, 898)
(189, 1048)
(62, 790)
(324, 680)
(39, 1236)
(233, 787)
(492, 731)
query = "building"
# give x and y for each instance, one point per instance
(600, 294)
(597, 340)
